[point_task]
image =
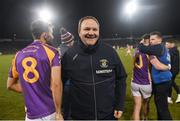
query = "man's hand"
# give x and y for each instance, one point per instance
(117, 114)
(169, 66)
(59, 117)
(142, 41)
(14, 85)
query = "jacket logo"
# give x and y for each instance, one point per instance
(104, 63)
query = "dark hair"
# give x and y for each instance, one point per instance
(156, 33)
(171, 41)
(145, 36)
(38, 27)
(85, 18)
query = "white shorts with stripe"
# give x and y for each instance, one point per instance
(141, 90)
(50, 117)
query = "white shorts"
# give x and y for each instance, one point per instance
(50, 117)
(141, 90)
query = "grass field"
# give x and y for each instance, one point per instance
(12, 105)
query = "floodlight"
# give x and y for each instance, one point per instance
(131, 8)
(45, 15)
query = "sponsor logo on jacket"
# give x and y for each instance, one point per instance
(104, 63)
(105, 71)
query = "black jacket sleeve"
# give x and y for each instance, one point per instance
(120, 84)
(64, 67)
(156, 50)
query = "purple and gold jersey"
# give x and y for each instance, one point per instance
(141, 70)
(32, 65)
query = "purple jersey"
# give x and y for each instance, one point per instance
(141, 71)
(32, 65)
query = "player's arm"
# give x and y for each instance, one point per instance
(56, 86)
(14, 85)
(158, 65)
(156, 50)
(12, 81)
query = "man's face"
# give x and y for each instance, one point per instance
(89, 32)
(154, 40)
(146, 42)
(168, 45)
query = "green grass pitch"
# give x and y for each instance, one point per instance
(12, 105)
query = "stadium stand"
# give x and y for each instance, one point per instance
(9, 46)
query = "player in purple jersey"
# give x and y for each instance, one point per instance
(141, 82)
(38, 69)
(141, 86)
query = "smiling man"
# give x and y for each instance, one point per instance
(97, 75)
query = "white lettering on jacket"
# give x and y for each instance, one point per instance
(103, 71)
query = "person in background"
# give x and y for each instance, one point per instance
(67, 41)
(174, 53)
(161, 79)
(128, 49)
(141, 85)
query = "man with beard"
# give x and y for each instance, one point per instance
(38, 69)
(98, 78)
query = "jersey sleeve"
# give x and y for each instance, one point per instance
(53, 55)
(56, 60)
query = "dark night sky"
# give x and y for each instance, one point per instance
(161, 15)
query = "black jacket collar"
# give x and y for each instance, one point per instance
(89, 49)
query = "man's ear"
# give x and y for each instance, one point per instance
(44, 36)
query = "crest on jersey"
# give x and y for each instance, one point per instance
(104, 63)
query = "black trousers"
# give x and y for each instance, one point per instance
(173, 84)
(160, 98)
(108, 117)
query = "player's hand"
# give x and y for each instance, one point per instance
(117, 114)
(59, 117)
(169, 66)
(142, 41)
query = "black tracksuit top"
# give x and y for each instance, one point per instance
(174, 53)
(98, 80)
